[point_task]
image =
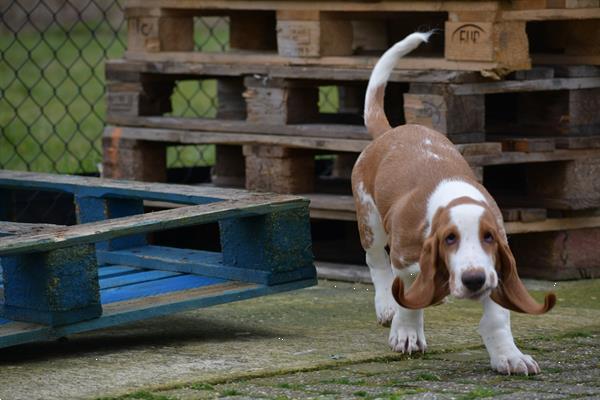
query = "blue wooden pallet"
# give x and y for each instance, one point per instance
(58, 280)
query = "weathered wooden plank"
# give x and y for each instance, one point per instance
(551, 14)
(108, 188)
(20, 228)
(524, 86)
(160, 220)
(365, 5)
(134, 310)
(156, 287)
(204, 263)
(114, 270)
(116, 69)
(191, 137)
(338, 61)
(139, 276)
(210, 125)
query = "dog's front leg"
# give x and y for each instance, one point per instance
(505, 357)
(406, 333)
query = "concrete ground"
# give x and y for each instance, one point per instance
(321, 342)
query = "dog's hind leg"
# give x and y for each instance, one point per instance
(374, 240)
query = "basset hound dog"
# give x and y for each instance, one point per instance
(430, 230)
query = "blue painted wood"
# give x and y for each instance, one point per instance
(92, 209)
(118, 208)
(266, 239)
(125, 315)
(138, 277)
(150, 222)
(279, 241)
(199, 262)
(108, 271)
(153, 288)
(112, 188)
(55, 287)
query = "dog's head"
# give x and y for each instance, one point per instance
(466, 254)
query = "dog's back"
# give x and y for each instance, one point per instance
(414, 157)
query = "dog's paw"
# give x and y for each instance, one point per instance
(515, 363)
(407, 340)
(385, 307)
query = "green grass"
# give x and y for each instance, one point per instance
(229, 392)
(141, 395)
(202, 386)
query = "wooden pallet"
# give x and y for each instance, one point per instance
(278, 122)
(477, 35)
(60, 280)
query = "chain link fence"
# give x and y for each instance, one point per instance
(52, 87)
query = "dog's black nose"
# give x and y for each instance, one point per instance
(473, 279)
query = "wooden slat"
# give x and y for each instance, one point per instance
(518, 86)
(211, 126)
(253, 58)
(117, 69)
(105, 188)
(192, 137)
(115, 270)
(160, 220)
(20, 228)
(137, 309)
(156, 287)
(135, 278)
(552, 224)
(551, 14)
(365, 5)
(343, 272)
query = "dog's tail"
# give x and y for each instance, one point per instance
(375, 119)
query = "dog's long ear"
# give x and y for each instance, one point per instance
(431, 285)
(511, 293)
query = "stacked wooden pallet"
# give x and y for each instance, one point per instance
(532, 134)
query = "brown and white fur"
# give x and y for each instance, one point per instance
(417, 196)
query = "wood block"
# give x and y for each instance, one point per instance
(165, 33)
(502, 42)
(312, 34)
(534, 73)
(229, 168)
(133, 159)
(55, 287)
(93, 209)
(280, 102)
(446, 113)
(278, 169)
(572, 254)
(574, 184)
(276, 242)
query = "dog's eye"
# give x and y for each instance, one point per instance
(450, 239)
(488, 237)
